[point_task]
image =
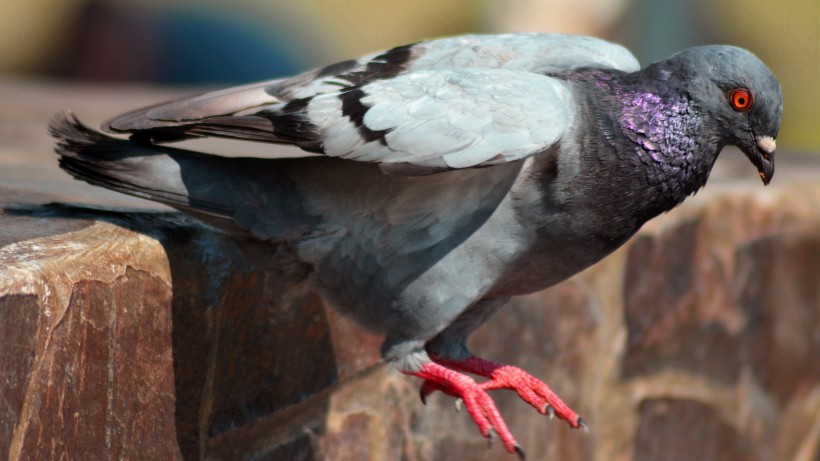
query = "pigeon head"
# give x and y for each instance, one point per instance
(734, 88)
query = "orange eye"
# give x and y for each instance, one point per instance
(740, 99)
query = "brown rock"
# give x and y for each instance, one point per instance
(144, 335)
(685, 430)
(111, 362)
(18, 328)
(663, 296)
(95, 366)
(777, 281)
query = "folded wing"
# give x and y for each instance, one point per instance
(449, 103)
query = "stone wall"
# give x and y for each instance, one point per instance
(141, 334)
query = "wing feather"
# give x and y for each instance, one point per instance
(447, 119)
(530, 52)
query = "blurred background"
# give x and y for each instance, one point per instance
(206, 43)
(698, 342)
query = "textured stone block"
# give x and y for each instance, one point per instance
(87, 349)
(708, 436)
(144, 335)
(147, 335)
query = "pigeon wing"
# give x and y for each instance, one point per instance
(431, 121)
(536, 53)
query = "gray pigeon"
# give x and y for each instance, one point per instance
(451, 175)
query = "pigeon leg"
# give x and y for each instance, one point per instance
(531, 389)
(477, 402)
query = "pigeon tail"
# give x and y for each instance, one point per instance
(139, 169)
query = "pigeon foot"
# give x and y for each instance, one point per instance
(531, 389)
(476, 401)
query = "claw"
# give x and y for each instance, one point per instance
(490, 437)
(459, 404)
(428, 388)
(530, 389)
(520, 452)
(472, 398)
(582, 424)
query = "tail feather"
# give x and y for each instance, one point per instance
(142, 170)
(239, 195)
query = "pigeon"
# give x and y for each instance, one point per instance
(438, 179)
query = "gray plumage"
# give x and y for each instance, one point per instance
(454, 174)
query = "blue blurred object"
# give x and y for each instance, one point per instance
(200, 45)
(187, 45)
(666, 27)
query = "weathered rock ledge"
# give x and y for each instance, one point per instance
(141, 334)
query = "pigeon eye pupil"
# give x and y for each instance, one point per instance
(740, 99)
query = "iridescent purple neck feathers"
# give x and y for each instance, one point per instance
(670, 137)
(656, 148)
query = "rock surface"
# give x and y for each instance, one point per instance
(141, 334)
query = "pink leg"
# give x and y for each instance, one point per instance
(477, 402)
(530, 389)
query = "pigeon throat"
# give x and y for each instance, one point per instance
(646, 140)
(667, 142)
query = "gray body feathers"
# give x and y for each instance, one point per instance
(454, 173)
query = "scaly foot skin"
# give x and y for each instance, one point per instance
(530, 389)
(477, 402)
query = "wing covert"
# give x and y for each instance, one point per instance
(523, 52)
(436, 120)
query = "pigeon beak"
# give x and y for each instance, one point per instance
(763, 157)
